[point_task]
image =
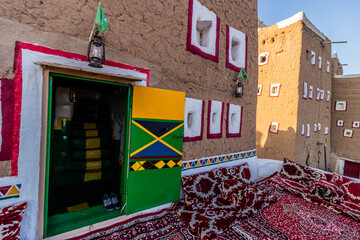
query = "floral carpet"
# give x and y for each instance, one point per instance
(292, 217)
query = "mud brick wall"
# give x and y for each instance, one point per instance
(149, 34)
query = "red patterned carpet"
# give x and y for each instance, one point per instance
(294, 218)
(164, 225)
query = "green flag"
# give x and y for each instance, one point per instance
(101, 19)
(242, 74)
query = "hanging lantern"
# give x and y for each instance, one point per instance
(96, 52)
(239, 90)
(73, 95)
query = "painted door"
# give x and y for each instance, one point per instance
(155, 148)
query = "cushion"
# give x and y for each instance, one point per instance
(352, 191)
(241, 173)
(231, 186)
(291, 186)
(200, 188)
(300, 173)
(338, 179)
(328, 191)
(10, 219)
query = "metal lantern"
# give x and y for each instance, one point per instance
(73, 95)
(239, 90)
(96, 52)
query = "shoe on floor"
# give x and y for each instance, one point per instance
(115, 200)
(108, 203)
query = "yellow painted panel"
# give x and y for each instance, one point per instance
(91, 133)
(90, 154)
(93, 165)
(89, 125)
(154, 103)
(92, 143)
(78, 207)
(13, 191)
(90, 176)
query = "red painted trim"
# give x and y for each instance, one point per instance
(200, 137)
(277, 130)
(352, 134)
(228, 64)
(277, 94)
(260, 89)
(304, 91)
(17, 68)
(215, 135)
(193, 48)
(340, 110)
(7, 115)
(118, 223)
(352, 125)
(232, 135)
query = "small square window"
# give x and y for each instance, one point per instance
(356, 124)
(274, 127)
(274, 89)
(263, 58)
(305, 91)
(326, 131)
(348, 133)
(340, 123)
(340, 106)
(313, 55)
(259, 90)
(311, 90)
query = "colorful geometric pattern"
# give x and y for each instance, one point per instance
(12, 191)
(147, 165)
(156, 139)
(217, 159)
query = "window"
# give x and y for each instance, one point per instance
(259, 91)
(308, 130)
(327, 66)
(348, 133)
(236, 49)
(305, 91)
(340, 123)
(311, 90)
(340, 106)
(317, 94)
(274, 89)
(215, 119)
(322, 94)
(302, 129)
(315, 127)
(356, 124)
(233, 121)
(203, 32)
(320, 62)
(193, 119)
(313, 58)
(326, 131)
(328, 96)
(274, 127)
(319, 126)
(263, 58)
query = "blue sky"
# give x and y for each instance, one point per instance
(339, 20)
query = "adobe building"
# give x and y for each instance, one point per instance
(294, 92)
(345, 121)
(72, 132)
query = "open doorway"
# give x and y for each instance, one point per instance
(86, 151)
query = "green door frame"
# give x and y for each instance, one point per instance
(125, 168)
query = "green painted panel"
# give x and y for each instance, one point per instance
(139, 138)
(175, 139)
(150, 188)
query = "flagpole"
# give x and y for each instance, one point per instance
(93, 27)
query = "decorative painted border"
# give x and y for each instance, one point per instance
(17, 69)
(348, 136)
(197, 163)
(11, 191)
(339, 123)
(215, 135)
(200, 137)
(277, 127)
(277, 94)
(267, 55)
(228, 64)
(195, 49)
(356, 124)
(7, 115)
(157, 164)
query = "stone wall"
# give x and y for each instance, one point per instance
(346, 88)
(148, 34)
